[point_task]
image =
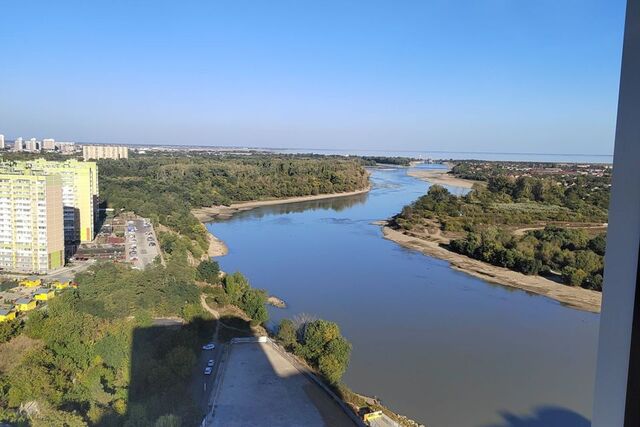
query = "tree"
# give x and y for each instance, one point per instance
(208, 271)
(594, 282)
(252, 302)
(325, 348)
(573, 276)
(598, 244)
(9, 329)
(287, 333)
(334, 362)
(588, 261)
(236, 285)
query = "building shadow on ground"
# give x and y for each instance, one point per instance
(164, 359)
(545, 416)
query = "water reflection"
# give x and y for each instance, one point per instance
(436, 344)
(337, 204)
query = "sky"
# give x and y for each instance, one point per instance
(467, 75)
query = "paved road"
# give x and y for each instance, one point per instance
(260, 387)
(203, 384)
(383, 421)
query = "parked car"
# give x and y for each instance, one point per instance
(210, 362)
(207, 371)
(152, 243)
(209, 346)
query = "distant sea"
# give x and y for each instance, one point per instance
(461, 155)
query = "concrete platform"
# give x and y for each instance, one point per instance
(259, 387)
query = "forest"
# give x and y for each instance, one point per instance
(534, 225)
(87, 355)
(166, 188)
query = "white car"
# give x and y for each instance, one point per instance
(210, 363)
(209, 346)
(207, 371)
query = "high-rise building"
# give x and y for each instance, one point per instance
(49, 144)
(79, 193)
(104, 152)
(17, 144)
(33, 145)
(1, 142)
(31, 231)
(66, 147)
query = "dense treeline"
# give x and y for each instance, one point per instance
(489, 215)
(503, 202)
(99, 359)
(570, 182)
(166, 188)
(386, 160)
(568, 252)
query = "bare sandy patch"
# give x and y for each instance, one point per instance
(442, 177)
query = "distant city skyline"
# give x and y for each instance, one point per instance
(479, 76)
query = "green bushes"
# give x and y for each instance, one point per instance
(320, 343)
(208, 271)
(252, 301)
(9, 330)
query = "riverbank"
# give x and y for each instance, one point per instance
(218, 248)
(442, 177)
(575, 297)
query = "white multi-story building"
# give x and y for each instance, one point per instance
(1, 142)
(104, 152)
(49, 144)
(33, 145)
(66, 147)
(18, 144)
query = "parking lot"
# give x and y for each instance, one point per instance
(141, 245)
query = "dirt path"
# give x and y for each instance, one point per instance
(216, 315)
(575, 297)
(522, 231)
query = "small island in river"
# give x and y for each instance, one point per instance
(533, 226)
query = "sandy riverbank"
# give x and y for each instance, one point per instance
(575, 297)
(442, 177)
(217, 246)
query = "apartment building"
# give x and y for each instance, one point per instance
(48, 144)
(31, 224)
(79, 194)
(104, 152)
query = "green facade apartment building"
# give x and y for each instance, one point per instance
(79, 193)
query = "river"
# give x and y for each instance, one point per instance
(435, 344)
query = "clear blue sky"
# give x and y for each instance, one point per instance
(481, 75)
